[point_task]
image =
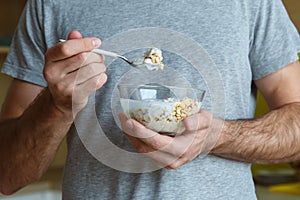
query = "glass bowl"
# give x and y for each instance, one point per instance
(158, 107)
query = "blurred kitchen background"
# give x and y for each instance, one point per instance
(273, 182)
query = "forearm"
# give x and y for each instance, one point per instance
(29, 143)
(273, 138)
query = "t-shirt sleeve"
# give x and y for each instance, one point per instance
(25, 59)
(275, 40)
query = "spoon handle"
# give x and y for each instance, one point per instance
(106, 53)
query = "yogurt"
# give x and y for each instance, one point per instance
(164, 116)
(152, 60)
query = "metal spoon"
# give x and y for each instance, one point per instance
(136, 63)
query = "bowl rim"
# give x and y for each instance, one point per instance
(201, 91)
(128, 84)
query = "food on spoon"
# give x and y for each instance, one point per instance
(152, 60)
(154, 57)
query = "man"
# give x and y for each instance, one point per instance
(250, 41)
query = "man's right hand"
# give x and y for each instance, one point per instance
(73, 72)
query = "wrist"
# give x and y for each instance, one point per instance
(53, 110)
(42, 116)
(228, 131)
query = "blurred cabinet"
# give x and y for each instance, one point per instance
(4, 80)
(293, 8)
(10, 11)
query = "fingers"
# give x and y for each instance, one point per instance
(71, 47)
(87, 72)
(55, 71)
(92, 75)
(79, 61)
(135, 129)
(152, 141)
(161, 158)
(83, 90)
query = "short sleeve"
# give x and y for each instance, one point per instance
(25, 59)
(275, 41)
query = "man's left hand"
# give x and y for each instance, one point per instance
(166, 151)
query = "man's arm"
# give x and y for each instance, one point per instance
(34, 120)
(29, 140)
(274, 137)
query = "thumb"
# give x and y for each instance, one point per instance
(74, 35)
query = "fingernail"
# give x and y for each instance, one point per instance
(99, 80)
(96, 42)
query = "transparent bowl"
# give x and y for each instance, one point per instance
(160, 108)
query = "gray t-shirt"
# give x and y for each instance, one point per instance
(246, 40)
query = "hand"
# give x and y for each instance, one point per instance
(73, 72)
(171, 152)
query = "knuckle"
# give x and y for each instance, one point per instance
(191, 123)
(60, 87)
(188, 126)
(207, 119)
(87, 44)
(81, 57)
(66, 90)
(65, 50)
(49, 74)
(201, 120)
